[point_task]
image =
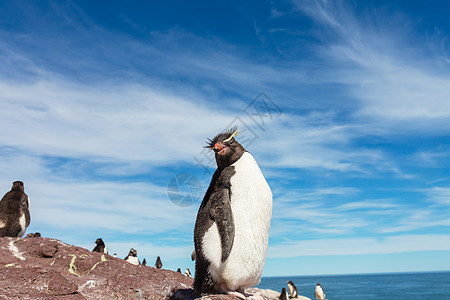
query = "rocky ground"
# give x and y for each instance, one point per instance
(43, 268)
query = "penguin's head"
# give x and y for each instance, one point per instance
(99, 241)
(17, 186)
(132, 252)
(226, 149)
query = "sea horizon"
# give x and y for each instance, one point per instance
(357, 274)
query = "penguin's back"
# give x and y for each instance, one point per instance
(14, 213)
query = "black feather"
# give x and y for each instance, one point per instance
(220, 137)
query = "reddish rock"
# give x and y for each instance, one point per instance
(44, 268)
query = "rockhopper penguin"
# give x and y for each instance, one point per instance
(14, 211)
(132, 257)
(293, 292)
(283, 295)
(319, 292)
(158, 263)
(232, 227)
(100, 246)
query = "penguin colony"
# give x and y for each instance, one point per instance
(231, 228)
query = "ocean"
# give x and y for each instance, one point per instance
(395, 286)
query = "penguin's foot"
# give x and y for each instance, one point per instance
(245, 296)
(255, 297)
(240, 294)
(236, 294)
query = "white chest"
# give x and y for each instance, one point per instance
(23, 225)
(133, 260)
(320, 295)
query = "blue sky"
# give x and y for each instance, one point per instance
(345, 106)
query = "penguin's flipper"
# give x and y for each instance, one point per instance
(221, 214)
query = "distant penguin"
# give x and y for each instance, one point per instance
(188, 272)
(33, 235)
(283, 295)
(179, 270)
(319, 293)
(158, 263)
(132, 257)
(14, 211)
(100, 247)
(144, 262)
(115, 255)
(232, 227)
(293, 292)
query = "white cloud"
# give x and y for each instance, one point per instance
(105, 104)
(399, 90)
(316, 142)
(439, 195)
(128, 123)
(358, 246)
(368, 204)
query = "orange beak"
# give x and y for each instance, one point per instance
(220, 147)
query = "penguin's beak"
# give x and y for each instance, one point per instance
(220, 148)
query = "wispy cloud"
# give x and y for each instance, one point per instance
(131, 123)
(97, 122)
(386, 73)
(439, 195)
(358, 246)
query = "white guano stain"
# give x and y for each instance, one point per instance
(13, 249)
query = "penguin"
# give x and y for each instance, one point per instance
(187, 272)
(293, 292)
(319, 293)
(33, 235)
(144, 262)
(158, 263)
(132, 257)
(179, 270)
(14, 211)
(100, 247)
(283, 295)
(115, 255)
(232, 227)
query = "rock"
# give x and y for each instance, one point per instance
(35, 283)
(268, 294)
(42, 268)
